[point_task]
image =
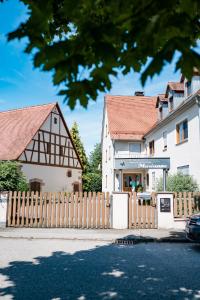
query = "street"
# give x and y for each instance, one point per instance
(60, 269)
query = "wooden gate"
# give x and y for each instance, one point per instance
(71, 210)
(142, 213)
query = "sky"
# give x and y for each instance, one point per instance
(21, 85)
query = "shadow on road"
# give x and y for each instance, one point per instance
(143, 271)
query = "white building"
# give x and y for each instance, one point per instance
(39, 139)
(143, 138)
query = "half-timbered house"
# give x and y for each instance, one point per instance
(38, 137)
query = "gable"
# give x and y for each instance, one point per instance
(52, 144)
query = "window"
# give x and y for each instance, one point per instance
(61, 152)
(183, 170)
(55, 120)
(151, 148)
(106, 130)
(106, 181)
(134, 148)
(153, 180)
(171, 103)
(182, 132)
(165, 140)
(69, 173)
(109, 153)
(106, 156)
(35, 186)
(48, 148)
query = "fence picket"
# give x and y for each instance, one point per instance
(44, 213)
(85, 211)
(67, 210)
(71, 210)
(76, 209)
(190, 203)
(27, 209)
(107, 210)
(103, 211)
(49, 207)
(175, 206)
(54, 211)
(9, 222)
(40, 209)
(185, 204)
(23, 209)
(18, 204)
(94, 210)
(180, 205)
(89, 210)
(62, 209)
(98, 209)
(58, 211)
(80, 210)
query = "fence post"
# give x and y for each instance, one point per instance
(3, 209)
(165, 210)
(120, 210)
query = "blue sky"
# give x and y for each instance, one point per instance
(22, 85)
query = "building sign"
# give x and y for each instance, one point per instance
(165, 205)
(142, 163)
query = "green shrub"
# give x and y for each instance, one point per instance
(11, 177)
(178, 183)
(92, 182)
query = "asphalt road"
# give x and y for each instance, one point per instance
(58, 269)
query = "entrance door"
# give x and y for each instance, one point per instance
(131, 179)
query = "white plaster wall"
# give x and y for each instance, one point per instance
(187, 153)
(195, 84)
(178, 99)
(107, 164)
(55, 178)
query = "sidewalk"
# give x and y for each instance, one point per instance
(109, 235)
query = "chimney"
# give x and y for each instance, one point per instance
(139, 93)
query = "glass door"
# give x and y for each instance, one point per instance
(131, 181)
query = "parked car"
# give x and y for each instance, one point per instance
(193, 228)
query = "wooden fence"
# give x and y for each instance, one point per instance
(186, 204)
(142, 213)
(79, 210)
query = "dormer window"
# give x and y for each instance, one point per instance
(171, 103)
(55, 120)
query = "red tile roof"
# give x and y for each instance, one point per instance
(18, 127)
(130, 117)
